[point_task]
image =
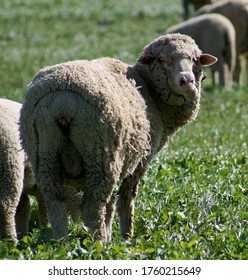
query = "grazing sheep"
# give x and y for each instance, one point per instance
(14, 203)
(102, 121)
(214, 34)
(237, 12)
(197, 4)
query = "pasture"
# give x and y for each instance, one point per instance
(193, 202)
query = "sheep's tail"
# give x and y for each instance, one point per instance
(230, 53)
(27, 128)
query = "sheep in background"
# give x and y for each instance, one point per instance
(11, 167)
(102, 121)
(214, 34)
(237, 12)
(13, 175)
(197, 4)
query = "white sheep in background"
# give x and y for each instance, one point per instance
(197, 4)
(14, 202)
(102, 121)
(237, 12)
(214, 34)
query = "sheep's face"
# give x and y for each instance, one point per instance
(184, 74)
(175, 61)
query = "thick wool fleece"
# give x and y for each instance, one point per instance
(106, 96)
(92, 123)
(11, 166)
(16, 179)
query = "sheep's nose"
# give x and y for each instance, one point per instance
(187, 79)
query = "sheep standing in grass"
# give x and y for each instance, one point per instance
(14, 202)
(237, 12)
(97, 122)
(11, 175)
(214, 34)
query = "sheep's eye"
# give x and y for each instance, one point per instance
(203, 78)
(164, 59)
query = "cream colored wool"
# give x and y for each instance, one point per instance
(90, 124)
(14, 175)
(11, 175)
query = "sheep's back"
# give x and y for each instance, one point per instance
(11, 154)
(9, 129)
(236, 11)
(219, 30)
(107, 102)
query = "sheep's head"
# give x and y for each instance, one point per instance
(175, 61)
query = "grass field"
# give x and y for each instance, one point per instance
(193, 201)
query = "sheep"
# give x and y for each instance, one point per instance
(11, 175)
(197, 4)
(14, 173)
(237, 12)
(17, 181)
(102, 121)
(214, 34)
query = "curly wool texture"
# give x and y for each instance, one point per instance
(16, 182)
(175, 110)
(106, 98)
(89, 124)
(11, 166)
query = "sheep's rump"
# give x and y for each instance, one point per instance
(11, 156)
(11, 166)
(91, 110)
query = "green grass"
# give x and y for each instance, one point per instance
(193, 201)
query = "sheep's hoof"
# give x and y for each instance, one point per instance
(127, 236)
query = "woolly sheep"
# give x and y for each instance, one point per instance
(14, 203)
(214, 34)
(102, 121)
(237, 12)
(196, 4)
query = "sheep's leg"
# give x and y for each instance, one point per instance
(97, 192)
(110, 209)
(237, 75)
(50, 180)
(93, 213)
(10, 193)
(213, 76)
(7, 225)
(22, 217)
(42, 210)
(220, 69)
(127, 194)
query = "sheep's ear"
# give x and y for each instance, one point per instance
(145, 58)
(207, 59)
